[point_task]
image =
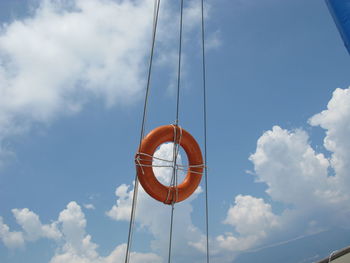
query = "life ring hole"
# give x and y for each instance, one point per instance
(163, 163)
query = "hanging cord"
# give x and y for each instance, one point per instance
(205, 133)
(175, 166)
(176, 146)
(179, 66)
(136, 186)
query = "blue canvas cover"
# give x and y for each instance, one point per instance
(340, 10)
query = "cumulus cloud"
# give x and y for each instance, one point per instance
(9, 238)
(70, 50)
(336, 121)
(74, 245)
(89, 206)
(33, 227)
(301, 178)
(118, 256)
(78, 246)
(73, 224)
(66, 54)
(285, 160)
(252, 218)
(250, 215)
(122, 209)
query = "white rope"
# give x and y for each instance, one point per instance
(173, 181)
(138, 159)
(178, 167)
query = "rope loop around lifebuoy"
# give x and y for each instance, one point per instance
(173, 185)
(144, 164)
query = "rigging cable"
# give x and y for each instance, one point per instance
(136, 186)
(205, 132)
(176, 145)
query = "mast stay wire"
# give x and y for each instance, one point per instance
(136, 184)
(205, 132)
(176, 143)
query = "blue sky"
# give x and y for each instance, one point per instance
(72, 79)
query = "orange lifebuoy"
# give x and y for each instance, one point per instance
(144, 158)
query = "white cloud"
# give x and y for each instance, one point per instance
(118, 256)
(302, 179)
(294, 172)
(79, 248)
(66, 54)
(89, 206)
(9, 238)
(73, 224)
(251, 216)
(336, 121)
(56, 53)
(33, 227)
(285, 160)
(52, 62)
(74, 244)
(252, 220)
(122, 209)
